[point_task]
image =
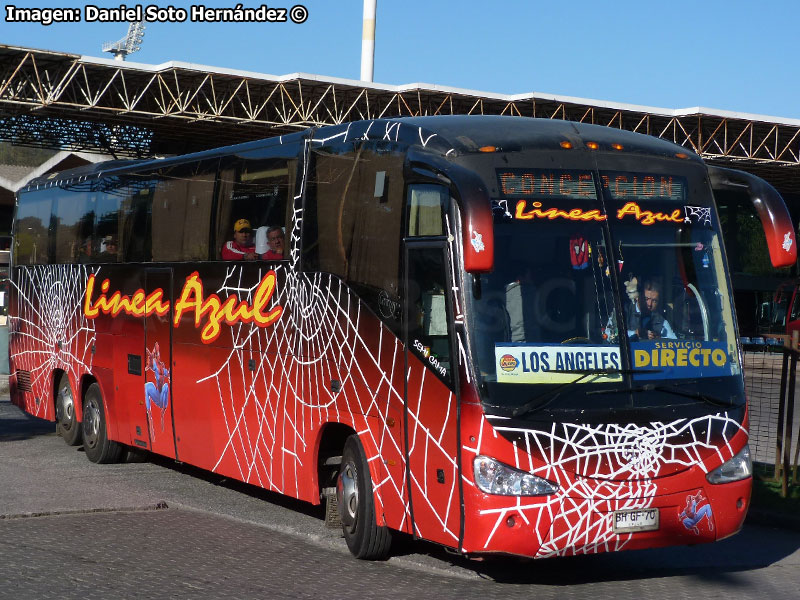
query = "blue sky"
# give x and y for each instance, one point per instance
(730, 55)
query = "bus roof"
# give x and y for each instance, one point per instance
(467, 134)
(449, 135)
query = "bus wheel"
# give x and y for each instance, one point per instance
(364, 537)
(98, 448)
(67, 425)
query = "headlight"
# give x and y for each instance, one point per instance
(494, 477)
(738, 468)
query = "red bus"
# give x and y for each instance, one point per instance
(502, 335)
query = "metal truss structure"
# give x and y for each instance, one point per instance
(67, 101)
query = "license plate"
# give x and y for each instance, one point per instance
(640, 519)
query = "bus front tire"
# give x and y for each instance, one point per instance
(99, 449)
(365, 538)
(67, 424)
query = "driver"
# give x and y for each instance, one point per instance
(653, 323)
(644, 318)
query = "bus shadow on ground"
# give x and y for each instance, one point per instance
(716, 562)
(15, 425)
(712, 563)
(246, 489)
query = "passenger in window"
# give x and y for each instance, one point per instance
(108, 252)
(85, 251)
(276, 241)
(242, 246)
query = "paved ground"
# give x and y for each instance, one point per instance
(72, 529)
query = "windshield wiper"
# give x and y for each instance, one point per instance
(669, 389)
(678, 391)
(540, 402)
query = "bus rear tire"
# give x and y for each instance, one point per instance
(99, 449)
(365, 538)
(67, 424)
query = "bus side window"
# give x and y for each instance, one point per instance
(352, 222)
(428, 334)
(74, 226)
(258, 189)
(427, 205)
(135, 231)
(183, 196)
(107, 219)
(31, 229)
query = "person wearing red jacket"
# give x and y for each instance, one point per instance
(242, 246)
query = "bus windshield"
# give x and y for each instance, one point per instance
(611, 280)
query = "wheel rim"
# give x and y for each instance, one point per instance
(65, 408)
(91, 423)
(347, 492)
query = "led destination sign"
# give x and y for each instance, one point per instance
(643, 186)
(550, 184)
(546, 184)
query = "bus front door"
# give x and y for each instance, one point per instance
(158, 393)
(430, 398)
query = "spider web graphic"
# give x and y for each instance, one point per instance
(327, 335)
(48, 329)
(618, 467)
(500, 207)
(697, 214)
(288, 396)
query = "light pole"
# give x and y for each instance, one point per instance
(368, 41)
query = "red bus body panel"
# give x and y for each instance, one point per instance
(578, 519)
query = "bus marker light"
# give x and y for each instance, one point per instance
(592, 145)
(681, 155)
(487, 149)
(566, 145)
(617, 146)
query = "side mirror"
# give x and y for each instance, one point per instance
(770, 207)
(478, 224)
(476, 208)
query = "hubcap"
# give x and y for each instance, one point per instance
(91, 423)
(347, 492)
(65, 407)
